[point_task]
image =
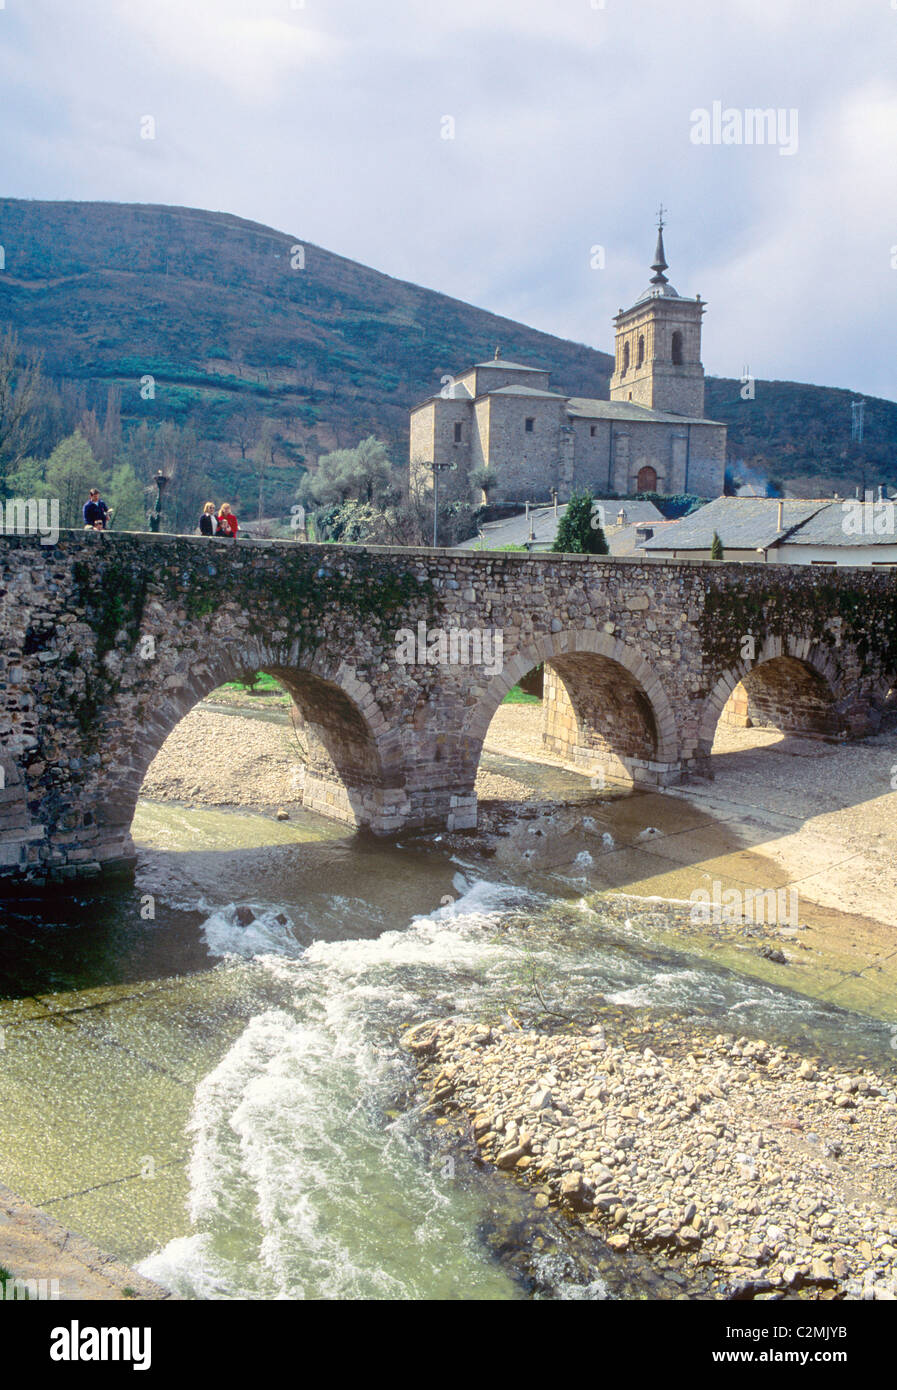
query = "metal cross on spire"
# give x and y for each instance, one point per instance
(660, 261)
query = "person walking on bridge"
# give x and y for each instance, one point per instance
(227, 522)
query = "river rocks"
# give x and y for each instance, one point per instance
(420, 1040)
(573, 1190)
(509, 1158)
(729, 1154)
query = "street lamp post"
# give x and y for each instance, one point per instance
(161, 481)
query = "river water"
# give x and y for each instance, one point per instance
(226, 1101)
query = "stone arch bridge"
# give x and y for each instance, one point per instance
(396, 661)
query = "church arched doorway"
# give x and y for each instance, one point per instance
(647, 479)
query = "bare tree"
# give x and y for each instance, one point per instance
(265, 456)
(20, 385)
(244, 425)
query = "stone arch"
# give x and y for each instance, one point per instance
(347, 776)
(588, 672)
(647, 479)
(790, 685)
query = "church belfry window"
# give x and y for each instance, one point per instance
(625, 359)
(677, 349)
(641, 349)
(457, 431)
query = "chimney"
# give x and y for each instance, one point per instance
(780, 518)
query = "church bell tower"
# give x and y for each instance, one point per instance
(658, 346)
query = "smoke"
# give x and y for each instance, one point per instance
(751, 482)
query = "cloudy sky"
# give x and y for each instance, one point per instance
(570, 121)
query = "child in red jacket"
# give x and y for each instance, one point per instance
(227, 522)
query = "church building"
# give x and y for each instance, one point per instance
(650, 436)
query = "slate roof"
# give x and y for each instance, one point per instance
(578, 407)
(524, 391)
(515, 530)
(827, 527)
(638, 511)
(742, 523)
(499, 363)
(585, 407)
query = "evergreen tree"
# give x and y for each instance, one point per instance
(716, 548)
(578, 531)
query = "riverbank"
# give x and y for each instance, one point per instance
(46, 1260)
(238, 759)
(761, 1174)
(825, 813)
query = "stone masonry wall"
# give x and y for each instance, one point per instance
(658, 382)
(526, 464)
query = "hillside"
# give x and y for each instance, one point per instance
(213, 309)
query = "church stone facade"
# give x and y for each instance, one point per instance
(650, 436)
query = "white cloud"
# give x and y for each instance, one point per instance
(572, 124)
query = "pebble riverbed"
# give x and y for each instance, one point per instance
(761, 1173)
